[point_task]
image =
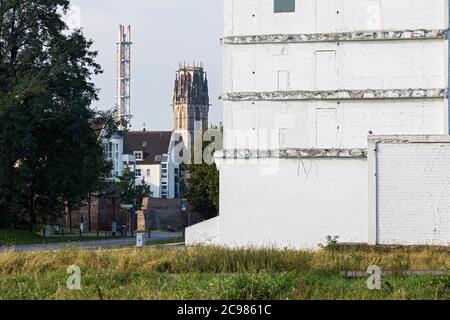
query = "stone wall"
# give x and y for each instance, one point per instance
(102, 212)
(161, 214)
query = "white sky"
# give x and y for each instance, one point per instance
(164, 33)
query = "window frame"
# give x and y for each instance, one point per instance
(141, 155)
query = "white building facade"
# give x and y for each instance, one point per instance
(305, 83)
(146, 155)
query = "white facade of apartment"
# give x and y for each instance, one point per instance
(161, 177)
(303, 90)
(113, 148)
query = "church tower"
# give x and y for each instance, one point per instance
(191, 99)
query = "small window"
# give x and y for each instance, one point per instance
(280, 6)
(138, 155)
(149, 172)
(138, 172)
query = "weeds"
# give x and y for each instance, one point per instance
(219, 273)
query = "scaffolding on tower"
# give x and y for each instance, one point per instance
(123, 102)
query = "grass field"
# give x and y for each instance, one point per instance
(18, 237)
(213, 273)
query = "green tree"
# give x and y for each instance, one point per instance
(203, 190)
(130, 193)
(50, 155)
(203, 186)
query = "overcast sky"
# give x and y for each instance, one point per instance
(164, 33)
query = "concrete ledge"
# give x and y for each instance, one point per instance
(404, 139)
(337, 37)
(335, 94)
(291, 153)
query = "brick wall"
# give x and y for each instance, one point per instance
(411, 192)
(102, 212)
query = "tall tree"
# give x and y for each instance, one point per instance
(49, 153)
(203, 182)
(130, 193)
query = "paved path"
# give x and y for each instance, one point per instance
(90, 245)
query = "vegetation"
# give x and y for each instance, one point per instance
(50, 155)
(20, 237)
(167, 241)
(203, 183)
(130, 193)
(214, 273)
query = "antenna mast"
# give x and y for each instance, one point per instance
(123, 103)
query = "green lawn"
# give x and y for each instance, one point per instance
(168, 241)
(17, 237)
(214, 273)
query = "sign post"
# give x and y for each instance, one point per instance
(114, 228)
(47, 231)
(140, 240)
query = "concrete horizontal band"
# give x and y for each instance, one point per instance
(337, 37)
(291, 153)
(335, 94)
(408, 139)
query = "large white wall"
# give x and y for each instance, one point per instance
(298, 202)
(300, 121)
(332, 65)
(249, 17)
(293, 203)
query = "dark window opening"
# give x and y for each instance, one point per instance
(280, 6)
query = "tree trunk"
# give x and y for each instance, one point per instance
(69, 213)
(32, 221)
(32, 211)
(89, 212)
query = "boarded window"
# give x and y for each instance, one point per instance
(284, 80)
(326, 128)
(326, 70)
(280, 6)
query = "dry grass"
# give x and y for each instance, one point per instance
(219, 260)
(215, 273)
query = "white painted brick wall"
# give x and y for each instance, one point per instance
(248, 17)
(206, 233)
(413, 193)
(359, 65)
(301, 202)
(355, 118)
(293, 203)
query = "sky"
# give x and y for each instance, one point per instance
(164, 33)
